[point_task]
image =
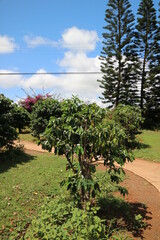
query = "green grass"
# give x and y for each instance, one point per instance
(149, 147)
(25, 182)
(26, 137)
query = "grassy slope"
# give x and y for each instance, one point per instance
(149, 146)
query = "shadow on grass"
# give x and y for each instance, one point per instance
(12, 157)
(124, 215)
(139, 145)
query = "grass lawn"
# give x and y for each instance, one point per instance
(149, 147)
(25, 182)
(26, 137)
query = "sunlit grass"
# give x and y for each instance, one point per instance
(149, 146)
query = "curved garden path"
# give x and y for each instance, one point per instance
(150, 171)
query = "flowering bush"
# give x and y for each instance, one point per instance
(30, 101)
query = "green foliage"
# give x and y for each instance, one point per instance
(80, 134)
(146, 30)
(41, 113)
(60, 220)
(119, 60)
(7, 132)
(76, 183)
(152, 105)
(138, 223)
(130, 119)
(21, 117)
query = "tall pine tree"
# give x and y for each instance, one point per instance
(153, 94)
(145, 40)
(119, 61)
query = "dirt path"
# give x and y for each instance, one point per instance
(147, 170)
(140, 191)
(31, 146)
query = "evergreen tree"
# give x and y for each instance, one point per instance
(119, 62)
(153, 95)
(145, 40)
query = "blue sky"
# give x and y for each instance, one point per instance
(52, 36)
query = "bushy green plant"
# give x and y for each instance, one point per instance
(41, 113)
(7, 131)
(21, 117)
(63, 220)
(80, 135)
(128, 118)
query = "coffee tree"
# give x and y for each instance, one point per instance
(7, 131)
(21, 117)
(130, 119)
(41, 113)
(80, 135)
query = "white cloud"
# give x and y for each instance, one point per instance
(77, 39)
(40, 81)
(36, 41)
(73, 38)
(79, 62)
(85, 86)
(78, 42)
(7, 44)
(9, 81)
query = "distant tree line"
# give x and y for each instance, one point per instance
(130, 57)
